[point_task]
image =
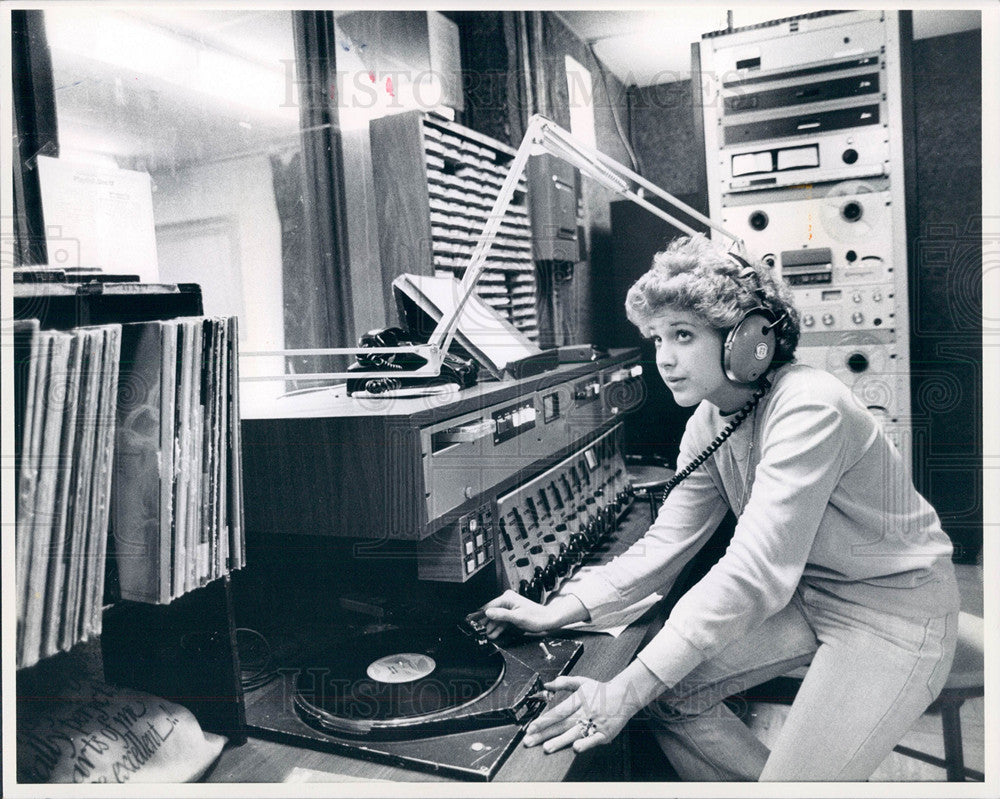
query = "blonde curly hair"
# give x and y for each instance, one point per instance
(694, 275)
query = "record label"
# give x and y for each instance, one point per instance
(401, 667)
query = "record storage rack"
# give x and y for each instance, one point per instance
(134, 636)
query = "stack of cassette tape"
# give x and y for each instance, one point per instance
(805, 144)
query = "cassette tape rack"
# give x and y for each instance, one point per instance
(435, 183)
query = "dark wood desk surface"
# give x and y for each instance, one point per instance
(603, 656)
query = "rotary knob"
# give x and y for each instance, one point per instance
(549, 574)
(758, 220)
(537, 584)
(857, 317)
(563, 561)
(828, 319)
(808, 320)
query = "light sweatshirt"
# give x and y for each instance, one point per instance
(822, 497)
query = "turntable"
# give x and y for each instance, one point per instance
(515, 484)
(439, 699)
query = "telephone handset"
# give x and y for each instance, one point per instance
(461, 371)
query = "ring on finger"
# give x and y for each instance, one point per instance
(587, 727)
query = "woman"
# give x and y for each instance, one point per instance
(836, 561)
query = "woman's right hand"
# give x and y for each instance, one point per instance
(510, 609)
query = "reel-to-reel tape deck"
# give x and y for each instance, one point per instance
(805, 147)
(833, 245)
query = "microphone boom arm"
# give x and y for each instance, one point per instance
(541, 133)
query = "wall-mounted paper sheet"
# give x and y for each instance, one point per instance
(98, 216)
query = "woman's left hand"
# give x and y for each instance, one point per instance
(595, 712)
(592, 715)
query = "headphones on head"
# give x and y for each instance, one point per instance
(750, 345)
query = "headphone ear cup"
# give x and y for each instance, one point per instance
(749, 348)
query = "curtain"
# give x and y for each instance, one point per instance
(298, 295)
(35, 131)
(530, 86)
(309, 190)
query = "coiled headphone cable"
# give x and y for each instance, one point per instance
(717, 442)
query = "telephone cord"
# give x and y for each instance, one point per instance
(717, 442)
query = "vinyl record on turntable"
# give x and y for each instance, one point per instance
(397, 679)
(468, 739)
(853, 210)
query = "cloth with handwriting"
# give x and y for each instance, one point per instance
(100, 733)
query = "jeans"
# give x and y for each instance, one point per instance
(872, 675)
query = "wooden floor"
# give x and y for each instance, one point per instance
(766, 719)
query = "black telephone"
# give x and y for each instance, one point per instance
(461, 371)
